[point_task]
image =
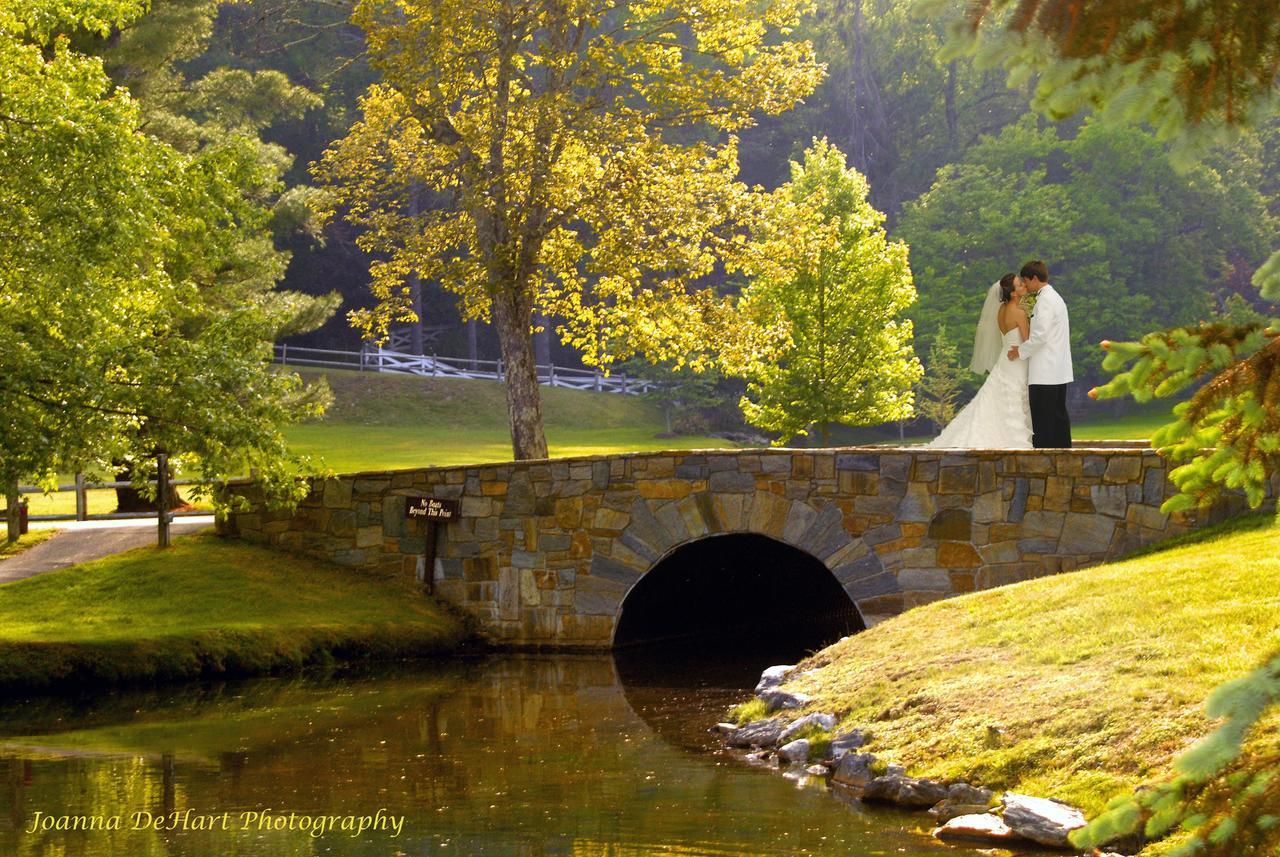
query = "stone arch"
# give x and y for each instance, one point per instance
(657, 527)
(726, 585)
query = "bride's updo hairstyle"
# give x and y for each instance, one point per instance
(1006, 287)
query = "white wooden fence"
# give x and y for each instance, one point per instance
(384, 360)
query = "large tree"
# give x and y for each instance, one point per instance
(128, 325)
(582, 163)
(825, 274)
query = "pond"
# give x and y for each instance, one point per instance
(501, 755)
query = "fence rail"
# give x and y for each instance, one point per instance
(384, 360)
(82, 486)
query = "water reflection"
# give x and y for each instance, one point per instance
(499, 756)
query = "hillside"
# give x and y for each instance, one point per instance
(385, 421)
(1079, 686)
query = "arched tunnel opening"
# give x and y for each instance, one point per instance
(699, 626)
(737, 590)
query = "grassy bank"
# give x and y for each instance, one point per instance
(30, 540)
(1078, 687)
(206, 606)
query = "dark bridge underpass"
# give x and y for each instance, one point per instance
(738, 589)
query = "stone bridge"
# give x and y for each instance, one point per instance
(556, 552)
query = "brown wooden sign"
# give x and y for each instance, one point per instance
(430, 509)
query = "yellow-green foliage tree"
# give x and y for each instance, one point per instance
(581, 162)
(822, 265)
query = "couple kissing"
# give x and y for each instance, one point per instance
(1023, 403)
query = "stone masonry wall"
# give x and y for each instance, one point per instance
(546, 551)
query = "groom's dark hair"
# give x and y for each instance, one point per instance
(1037, 269)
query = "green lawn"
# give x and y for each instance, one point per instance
(206, 606)
(1095, 679)
(386, 421)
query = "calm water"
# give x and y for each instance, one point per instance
(500, 756)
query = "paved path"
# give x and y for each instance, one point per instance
(81, 541)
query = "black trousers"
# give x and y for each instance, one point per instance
(1050, 424)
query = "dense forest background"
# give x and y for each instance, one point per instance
(971, 179)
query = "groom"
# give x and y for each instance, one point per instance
(1048, 350)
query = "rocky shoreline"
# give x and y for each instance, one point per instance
(963, 811)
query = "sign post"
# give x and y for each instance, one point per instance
(431, 510)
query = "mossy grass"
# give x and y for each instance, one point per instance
(1094, 681)
(755, 709)
(207, 606)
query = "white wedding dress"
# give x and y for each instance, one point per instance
(999, 416)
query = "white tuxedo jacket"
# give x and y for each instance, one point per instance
(1048, 348)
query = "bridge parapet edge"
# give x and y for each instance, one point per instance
(545, 552)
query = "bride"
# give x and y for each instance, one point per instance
(999, 416)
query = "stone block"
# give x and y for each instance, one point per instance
(952, 525)
(926, 557)
(1043, 525)
(598, 596)
(799, 517)
(1018, 501)
(858, 482)
(1086, 534)
(342, 523)
(1153, 486)
(961, 479)
(858, 461)
(1109, 499)
(917, 505)
(1148, 516)
(1123, 469)
(895, 467)
(476, 507)
(928, 579)
(924, 469)
(610, 519)
(337, 493)
(731, 481)
(999, 552)
(860, 569)
(369, 536)
(988, 507)
(1057, 494)
(986, 476)
(692, 470)
(775, 463)
(607, 568)
(1034, 463)
(664, 489)
(873, 586)
(1094, 465)
(953, 555)
(509, 594)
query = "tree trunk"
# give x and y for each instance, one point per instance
(512, 317)
(473, 343)
(415, 290)
(415, 331)
(11, 506)
(953, 120)
(130, 499)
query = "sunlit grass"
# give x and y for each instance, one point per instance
(1094, 681)
(206, 605)
(30, 540)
